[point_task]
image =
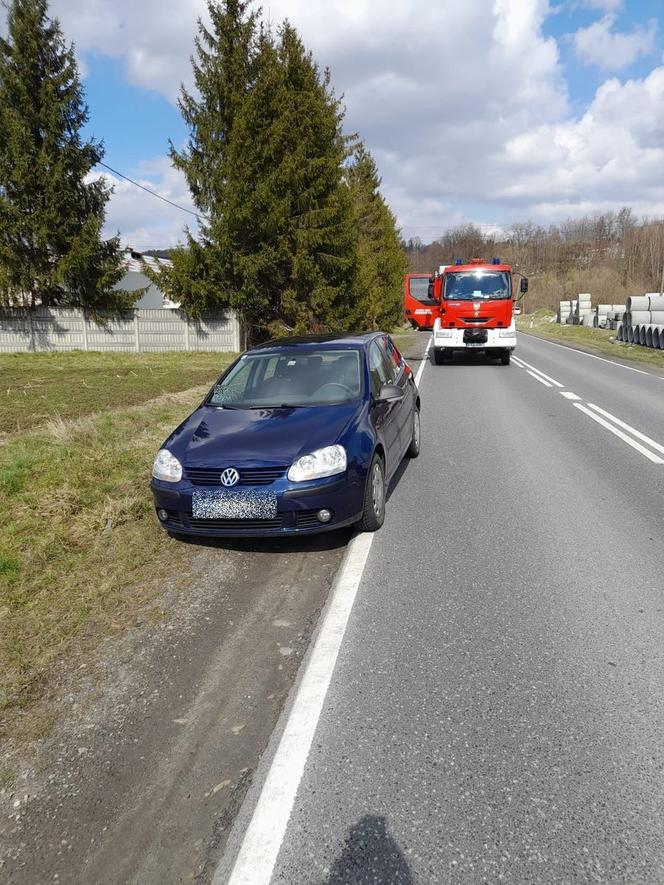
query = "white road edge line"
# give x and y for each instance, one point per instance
(537, 378)
(637, 433)
(260, 847)
(262, 840)
(518, 362)
(553, 381)
(623, 436)
(425, 359)
(594, 357)
(569, 395)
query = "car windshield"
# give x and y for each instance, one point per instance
(468, 285)
(418, 287)
(294, 378)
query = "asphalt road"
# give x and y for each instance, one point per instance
(497, 707)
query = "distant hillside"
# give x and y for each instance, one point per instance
(158, 253)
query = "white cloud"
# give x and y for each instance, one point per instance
(464, 105)
(604, 5)
(143, 221)
(599, 44)
(153, 38)
(611, 156)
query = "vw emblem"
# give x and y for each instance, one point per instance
(230, 477)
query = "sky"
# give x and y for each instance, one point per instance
(484, 111)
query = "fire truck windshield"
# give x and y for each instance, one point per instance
(467, 285)
(418, 287)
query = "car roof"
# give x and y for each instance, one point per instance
(304, 342)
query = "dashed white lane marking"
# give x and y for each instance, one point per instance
(602, 359)
(619, 433)
(552, 381)
(537, 378)
(592, 411)
(637, 433)
(260, 847)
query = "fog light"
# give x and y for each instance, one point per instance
(162, 514)
(324, 515)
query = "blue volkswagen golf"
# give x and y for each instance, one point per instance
(298, 436)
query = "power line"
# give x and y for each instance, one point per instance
(151, 192)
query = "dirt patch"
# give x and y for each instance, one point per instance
(157, 737)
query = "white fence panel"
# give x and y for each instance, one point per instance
(140, 330)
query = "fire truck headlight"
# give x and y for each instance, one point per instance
(443, 333)
(506, 333)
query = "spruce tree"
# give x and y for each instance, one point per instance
(382, 261)
(288, 233)
(51, 217)
(264, 163)
(201, 277)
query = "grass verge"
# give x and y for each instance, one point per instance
(594, 340)
(81, 555)
(37, 386)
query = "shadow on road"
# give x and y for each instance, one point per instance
(463, 358)
(370, 855)
(305, 544)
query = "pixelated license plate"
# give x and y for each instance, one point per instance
(240, 504)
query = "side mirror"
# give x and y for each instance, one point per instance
(524, 285)
(389, 393)
(430, 289)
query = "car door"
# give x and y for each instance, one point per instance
(385, 414)
(403, 378)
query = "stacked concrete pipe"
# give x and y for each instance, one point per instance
(643, 321)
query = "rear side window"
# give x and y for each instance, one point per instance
(381, 368)
(394, 354)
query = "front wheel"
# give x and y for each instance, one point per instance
(506, 357)
(373, 513)
(414, 448)
(439, 356)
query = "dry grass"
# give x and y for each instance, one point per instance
(81, 555)
(35, 388)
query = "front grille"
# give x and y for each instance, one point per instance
(249, 476)
(475, 336)
(236, 525)
(477, 319)
(307, 519)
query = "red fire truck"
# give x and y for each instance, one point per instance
(475, 309)
(419, 307)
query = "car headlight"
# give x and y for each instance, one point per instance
(166, 467)
(444, 333)
(323, 462)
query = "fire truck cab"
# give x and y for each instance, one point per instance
(475, 309)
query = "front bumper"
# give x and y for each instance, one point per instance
(456, 339)
(297, 508)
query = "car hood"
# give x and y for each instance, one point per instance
(212, 436)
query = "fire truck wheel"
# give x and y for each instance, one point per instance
(414, 448)
(373, 514)
(505, 358)
(439, 356)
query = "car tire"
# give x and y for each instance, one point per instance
(439, 356)
(414, 448)
(373, 512)
(506, 357)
